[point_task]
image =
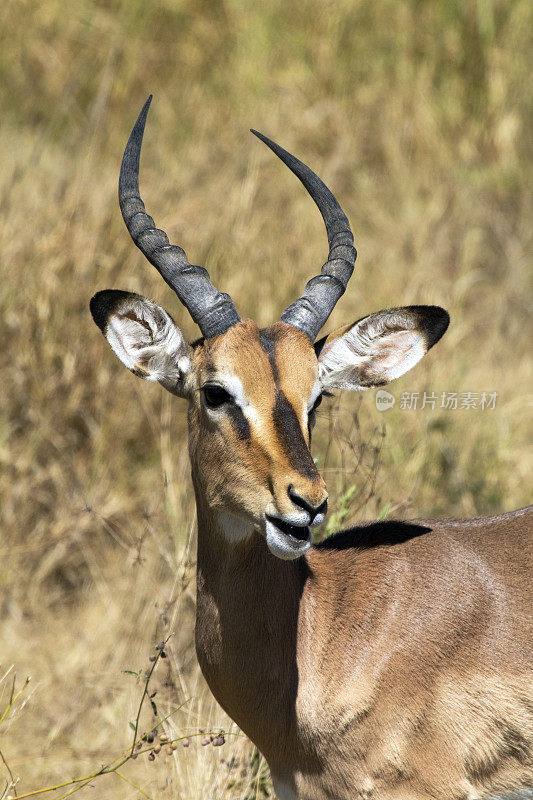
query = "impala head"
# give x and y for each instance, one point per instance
(253, 392)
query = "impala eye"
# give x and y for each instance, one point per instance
(215, 396)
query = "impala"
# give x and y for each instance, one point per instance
(392, 661)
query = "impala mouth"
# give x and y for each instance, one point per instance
(286, 541)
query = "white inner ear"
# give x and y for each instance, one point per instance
(398, 352)
(146, 340)
(376, 350)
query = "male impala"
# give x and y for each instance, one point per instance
(393, 661)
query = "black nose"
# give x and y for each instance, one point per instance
(312, 510)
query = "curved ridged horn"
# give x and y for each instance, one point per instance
(311, 310)
(213, 311)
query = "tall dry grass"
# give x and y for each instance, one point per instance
(418, 114)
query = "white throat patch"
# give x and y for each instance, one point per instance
(283, 790)
(235, 529)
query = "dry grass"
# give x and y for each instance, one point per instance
(417, 114)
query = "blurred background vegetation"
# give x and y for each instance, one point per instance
(418, 114)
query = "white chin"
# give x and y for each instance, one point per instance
(286, 547)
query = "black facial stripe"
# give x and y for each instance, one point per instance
(268, 343)
(285, 418)
(238, 421)
(291, 438)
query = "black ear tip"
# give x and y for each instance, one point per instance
(437, 322)
(96, 307)
(104, 303)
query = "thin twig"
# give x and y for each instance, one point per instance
(107, 769)
(35, 792)
(145, 693)
(13, 698)
(82, 785)
(75, 784)
(138, 788)
(6, 673)
(10, 773)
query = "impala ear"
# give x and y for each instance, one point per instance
(379, 348)
(144, 337)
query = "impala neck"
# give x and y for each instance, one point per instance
(246, 629)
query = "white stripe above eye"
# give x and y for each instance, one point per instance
(233, 385)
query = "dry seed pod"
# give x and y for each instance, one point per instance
(160, 646)
(150, 736)
(219, 740)
(151, 756)
(170, 750)
(205, 740)
(163, 737)
(133, 755)
(151, 658)
(157, 749)
(186, 742)
(173, 746)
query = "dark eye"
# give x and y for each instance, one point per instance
(215, 396)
